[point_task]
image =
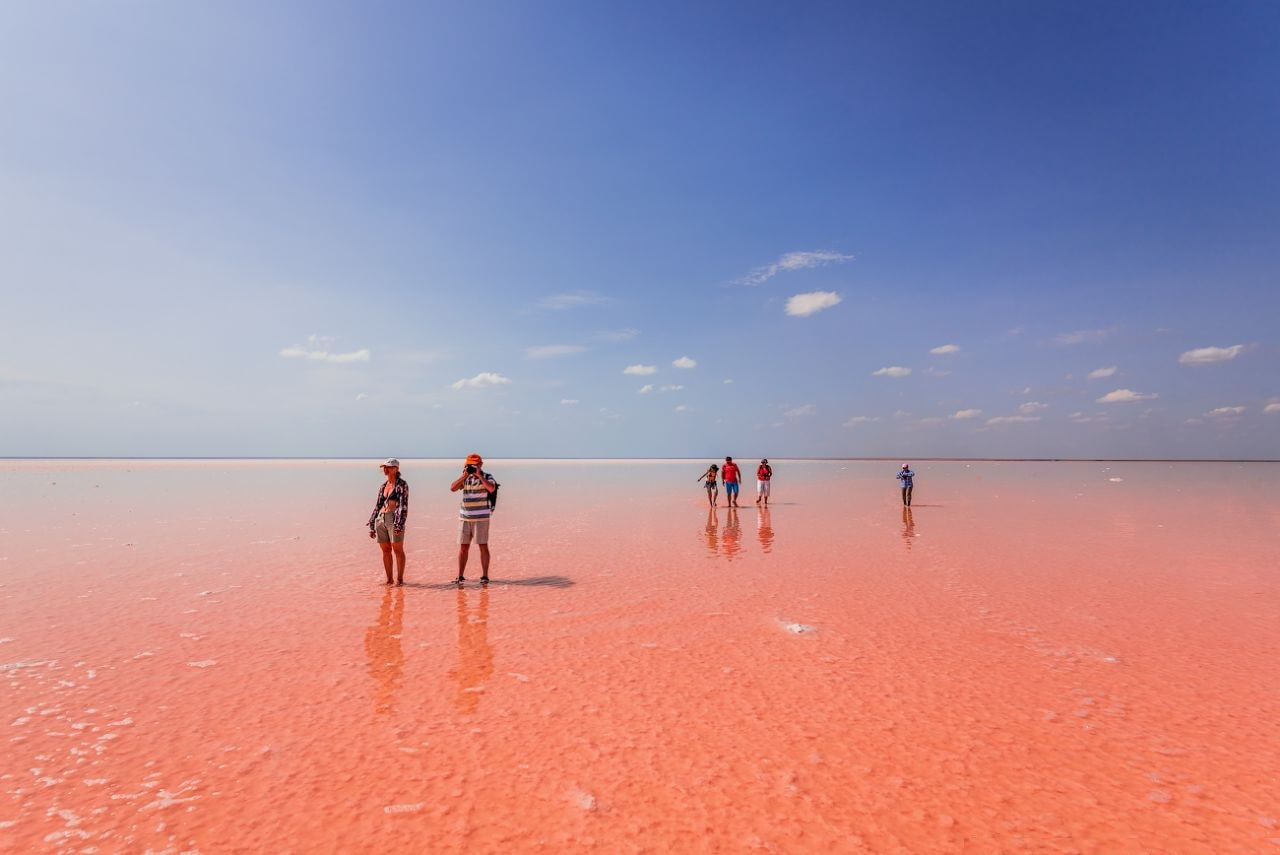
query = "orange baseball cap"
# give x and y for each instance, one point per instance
(474, 460)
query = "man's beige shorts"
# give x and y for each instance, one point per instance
(473, 529)
(385, 529)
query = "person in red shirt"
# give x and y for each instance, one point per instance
(731, 475)
(764, 477)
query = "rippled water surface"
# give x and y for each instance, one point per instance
(1035, 658)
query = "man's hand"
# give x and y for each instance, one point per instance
(371, 534)
(400, 532)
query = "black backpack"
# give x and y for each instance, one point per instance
(493, 497)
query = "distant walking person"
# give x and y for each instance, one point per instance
(906, 476)
(764, 477)
(713, 490)
(732, 476)
(476, 486)
(386, 523)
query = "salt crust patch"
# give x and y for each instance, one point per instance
(203, 663)
(413, 808)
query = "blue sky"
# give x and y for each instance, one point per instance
(367, 229)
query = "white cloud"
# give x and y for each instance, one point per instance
(805, 410)
(619, 335)
(568, 401)
(1225, 411)
(1099, 373)
(937, 372)
(481, 380)
(551, 351)
(675, 387)
(1273, 407)
(1126, 396)
(945, 349)
(1206, 355)
(1032, 407)
(645, 389)
(1081, 336)
(804, 305)
(728, 381)
(966, 414)
(685, 362)
(298, 352)
(571, 300)
(793, 261)
(681, 408)
(860, 420)
(319, 342)
(640, 370)
(361, 396)
(891, 371)
(1011, 420)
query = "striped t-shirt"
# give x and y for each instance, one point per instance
(475, 500)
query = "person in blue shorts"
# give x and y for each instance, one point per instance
(732, 478)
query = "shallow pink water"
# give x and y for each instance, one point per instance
(201, 656)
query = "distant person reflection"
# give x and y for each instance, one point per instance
(764, 529)
(732, 534)
(382, 646)
(908, 527)
(713, 531)
(475, 654)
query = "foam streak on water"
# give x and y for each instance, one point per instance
(201, 656)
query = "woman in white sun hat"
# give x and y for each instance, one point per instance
(386, 523)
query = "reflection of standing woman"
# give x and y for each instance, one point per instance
(386, 523)
(713, 490)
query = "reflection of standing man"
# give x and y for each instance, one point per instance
(906, 476)
(382, 646)
(732, 535)
(764, 529)
(732, 477)
(764, 480)
(475, 654)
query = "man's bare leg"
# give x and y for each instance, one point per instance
(464, 550)
(398, 549)
(484, 562)
(386, 560)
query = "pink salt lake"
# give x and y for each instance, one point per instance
(1073, 657)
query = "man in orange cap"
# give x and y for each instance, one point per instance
(476, 485)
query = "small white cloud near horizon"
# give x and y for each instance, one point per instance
(803, 410)
(619, 335)
(571, 300)
(1012, 420)
(551, 351)
(811, 302)
(891, 371)
(1126, 396)
(299, 352)
(937, 372)
(945, 349)
(1273, 407)
(361, 396)
(1207, 355)
(674, 387)
(685, 362)
(568, 401)
(793, 261)
(966, 414)
(1081, 336)
(1099, 373)
(480, 381)
(640, 370)
(1032, 407)
(728, 381)
(860, 420)
(680, 408)
(645, 389)
(1225, 411)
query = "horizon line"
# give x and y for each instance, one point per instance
(702, 457)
